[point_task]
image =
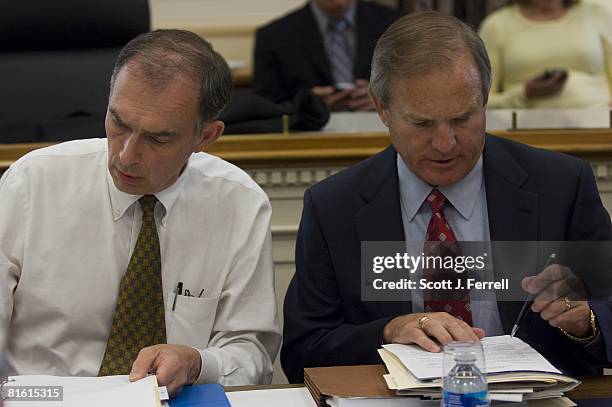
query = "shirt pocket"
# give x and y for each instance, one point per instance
(191, 321)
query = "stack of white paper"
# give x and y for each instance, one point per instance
(90, 391)
(515, 371)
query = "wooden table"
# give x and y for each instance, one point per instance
(591, 388)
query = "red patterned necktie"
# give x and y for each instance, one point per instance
(441, 241)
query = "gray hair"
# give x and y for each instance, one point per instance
(421, 42)
(161, 55)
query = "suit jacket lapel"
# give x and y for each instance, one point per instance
(381, 217)
(312, 43)
(513, 211)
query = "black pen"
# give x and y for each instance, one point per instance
(179, 290)
(529, 299)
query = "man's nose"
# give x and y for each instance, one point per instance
(130, 151)
(444, 139)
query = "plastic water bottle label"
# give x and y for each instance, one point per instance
(465, 399)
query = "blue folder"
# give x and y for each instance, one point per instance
(201, 395)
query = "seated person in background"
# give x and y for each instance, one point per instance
(430, 81)
(471, 12)
(549, 54)
(327, 46)
(97, 237)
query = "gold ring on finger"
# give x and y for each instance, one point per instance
(422, 321)
(568, 304)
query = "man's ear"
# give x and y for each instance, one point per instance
(209, 134)
(382, 112)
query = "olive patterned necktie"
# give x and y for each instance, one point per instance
(139, 317)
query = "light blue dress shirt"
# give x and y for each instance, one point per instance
(466, 213)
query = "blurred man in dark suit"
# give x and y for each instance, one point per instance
(326, 46)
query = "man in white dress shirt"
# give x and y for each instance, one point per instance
(70, 220)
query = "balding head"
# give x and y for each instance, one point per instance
(160, 56)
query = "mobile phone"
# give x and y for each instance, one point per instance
(549, 73)
(344, 86)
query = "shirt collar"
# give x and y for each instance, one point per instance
(462, 194)
(121, 201)
(323, 19)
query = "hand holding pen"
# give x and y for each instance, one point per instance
(559, 297)
(529, 301)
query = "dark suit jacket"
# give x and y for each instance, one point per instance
(290, 54)
(532, 195)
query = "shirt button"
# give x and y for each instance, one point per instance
(116, 213)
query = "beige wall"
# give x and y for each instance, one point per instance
(219, 12)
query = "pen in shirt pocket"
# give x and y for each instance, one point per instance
(177, 292)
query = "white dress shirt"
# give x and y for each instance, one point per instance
(66, 237)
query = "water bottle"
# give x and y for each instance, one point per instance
(465, 385)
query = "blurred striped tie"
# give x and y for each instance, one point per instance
(340, 54)
(139, 317)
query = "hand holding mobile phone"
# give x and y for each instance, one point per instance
(547, 84)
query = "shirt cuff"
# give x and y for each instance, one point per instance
(209, 371)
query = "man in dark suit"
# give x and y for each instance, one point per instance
(430, 78)
(325, 46)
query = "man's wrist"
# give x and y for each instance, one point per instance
(593, 331)
(388, 331)
(196, 366)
